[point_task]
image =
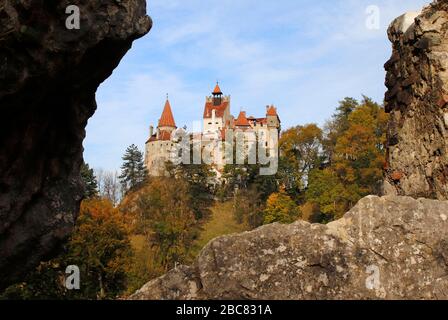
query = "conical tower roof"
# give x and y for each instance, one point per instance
(167, 119)
(272, 111)
(217, 89)
(242, 121)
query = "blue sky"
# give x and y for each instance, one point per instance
(301, 55)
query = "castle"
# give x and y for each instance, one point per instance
(216, 122)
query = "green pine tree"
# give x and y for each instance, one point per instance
(133, 171)
(90, 183)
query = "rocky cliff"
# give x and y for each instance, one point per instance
(48, 78)
(384, 248)
(394, 247)
(417, 100)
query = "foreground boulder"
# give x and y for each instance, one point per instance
(384, 248)
(417, 99)
(48, 78)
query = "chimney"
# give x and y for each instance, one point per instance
(151, 131)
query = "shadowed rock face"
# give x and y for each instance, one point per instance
(48, 79)
(384, 248)
(417, 100)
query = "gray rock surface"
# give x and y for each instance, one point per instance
(384, 248)
(48, 79)
(417, 100)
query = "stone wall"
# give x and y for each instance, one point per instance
(417, 100)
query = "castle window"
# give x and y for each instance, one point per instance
(210, 123)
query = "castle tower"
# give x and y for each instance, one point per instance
(217, 115)
(166, 121)
(241, 122)
(217, 120)
(159, 145)
(272, 117)
(217, 95)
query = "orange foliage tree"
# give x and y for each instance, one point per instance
(100, 246)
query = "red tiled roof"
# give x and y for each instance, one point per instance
(152, 138)
(163, 136)
(219, 109)
(272, 111)
(241, 121)
(217, 90)
(167, 119)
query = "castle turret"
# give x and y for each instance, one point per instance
(217, 111)
(272, 117)
(241, 121)
(158, 147)
(217, 95)
(166, 121)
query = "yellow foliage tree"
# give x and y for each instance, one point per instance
(281, 208)
(166, 215)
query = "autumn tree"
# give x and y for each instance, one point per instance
(100, 246)
(133, 171)
(165, 209)
(327, 191)
(281, 208)
(360, 150)
(300, 150)
(248, 206)
(354, 146)
(201, 180)
(335, 127)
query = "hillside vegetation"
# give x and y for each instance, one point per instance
(124, 239)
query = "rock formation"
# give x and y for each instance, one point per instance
(417, 99)
(384, 248)
(48, 78)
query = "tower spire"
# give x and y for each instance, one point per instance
(217, 95)
(167, 118)
(217, 91)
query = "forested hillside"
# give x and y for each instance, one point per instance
(133, 228)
